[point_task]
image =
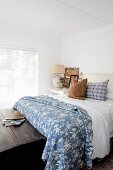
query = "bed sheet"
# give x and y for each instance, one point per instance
(101, 113)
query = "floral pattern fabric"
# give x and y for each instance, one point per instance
(67, 128)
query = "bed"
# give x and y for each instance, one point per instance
(77, 131)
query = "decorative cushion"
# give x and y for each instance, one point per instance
(97, 90)
(77, 90)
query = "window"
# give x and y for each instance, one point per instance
(18, 73)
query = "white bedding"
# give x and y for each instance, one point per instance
(101, 113)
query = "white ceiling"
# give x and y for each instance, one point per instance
(55, 17)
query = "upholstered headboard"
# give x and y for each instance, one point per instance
(94, 77)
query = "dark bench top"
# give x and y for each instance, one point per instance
(14, 136)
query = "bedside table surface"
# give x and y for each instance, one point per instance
(58, 90)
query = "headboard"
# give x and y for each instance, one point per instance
(94, 77)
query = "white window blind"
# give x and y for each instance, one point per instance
(18, 73)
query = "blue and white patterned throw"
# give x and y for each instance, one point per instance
(68, 129)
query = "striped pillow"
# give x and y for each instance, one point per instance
(97, 90)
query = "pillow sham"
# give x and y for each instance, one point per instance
(97, 90)
(77, 90)
(109, 94)
(110, 89)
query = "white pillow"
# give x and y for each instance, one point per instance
(110, 89)
(109, 94)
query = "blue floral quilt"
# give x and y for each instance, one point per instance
(68, 129)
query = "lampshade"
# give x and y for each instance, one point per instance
(57, 69)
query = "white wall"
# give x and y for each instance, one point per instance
(49, 54)
(91, 51)
(48, 51)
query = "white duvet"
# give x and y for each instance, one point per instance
(101, 113)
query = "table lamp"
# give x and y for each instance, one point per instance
(57, 71)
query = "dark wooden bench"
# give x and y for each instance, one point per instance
(21, 145)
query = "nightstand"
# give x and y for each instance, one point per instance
(58, 91)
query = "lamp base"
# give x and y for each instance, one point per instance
(56, 82)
